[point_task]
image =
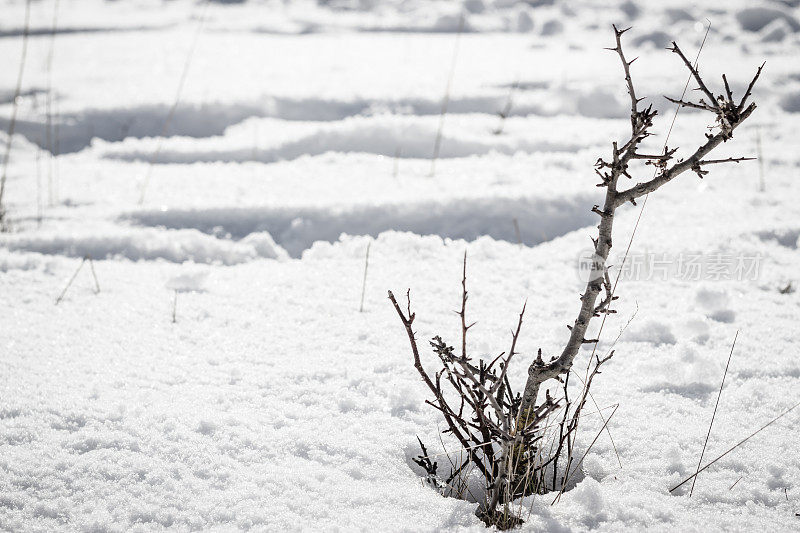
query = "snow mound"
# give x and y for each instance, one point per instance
(146, 244)
(406, 140)
(651, 331)
(656, 39)
(776, 31)
(297, 229)
(756, 18)
(716, 304)
(76, 130)
(599, 103)
(190, 281)
(16, 261)
(791, 102)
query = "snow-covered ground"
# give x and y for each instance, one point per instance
(303, 133)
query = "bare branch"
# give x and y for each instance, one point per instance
(702, 105)
(666, 156)
(728, 91)
(626, 66)
(727, 160)
(712, 101)
(446, 411)
(500, 382)
(741, 105)
(463, 312)
(679, 168)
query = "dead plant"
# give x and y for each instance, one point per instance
(505, 433)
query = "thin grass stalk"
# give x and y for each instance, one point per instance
(446, 100)
(580, 461)
(507, 108)
(94, 274)
(762, 185)
(50, 132)
(753, 434)
(69, 283)
(714, 414)
(182, 81)
(517, 232)
(364, 283)
(396, 163)
(13, 122)
(39, 208)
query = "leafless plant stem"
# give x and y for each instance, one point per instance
(86, 257)
(50, 133)
(762, 185)
(364, 283)
(13, 122)
(446, 100)
(184, 73)
(94, 274)
(507, 108)
(714, 414)
(39, 208)
(396, 164)
(656, 169)
(753, 434)
(728, 115)
(580, 461)
(502, 431)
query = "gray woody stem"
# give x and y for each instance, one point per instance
(729, 116)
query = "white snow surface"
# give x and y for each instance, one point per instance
(303, 133)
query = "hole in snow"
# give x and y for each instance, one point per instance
(467, 483)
